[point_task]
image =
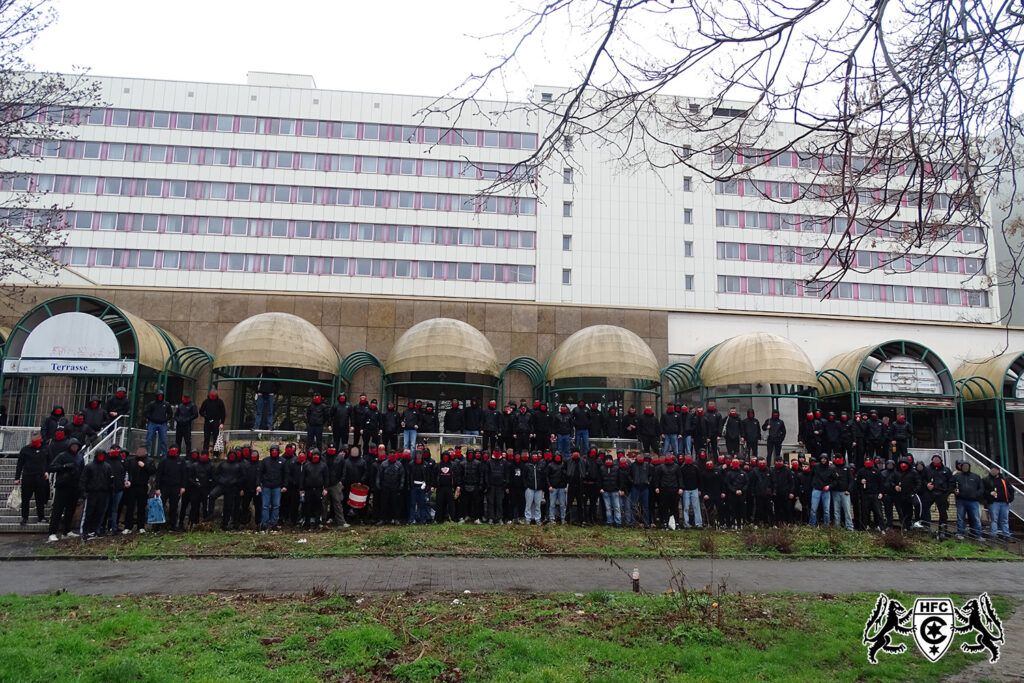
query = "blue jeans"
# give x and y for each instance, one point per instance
(1000, 514)
(671, 444)
(966, 508)
(691, 497)
(471, 432)
(264, 408)
(557, 503)
(612, 509)
(687, 444)
(842, 502)
(115, 506)
(409, 439)
(563, 444)
(271, 507)
(583, 440)
(825, 499)
(625, 504)
(160, 431)
(641, 498)
(533, 499)
(418, 510)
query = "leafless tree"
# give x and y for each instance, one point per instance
(897, 116)
(37, 111)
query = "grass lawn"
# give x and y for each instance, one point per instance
(563, 637)
(523, 541)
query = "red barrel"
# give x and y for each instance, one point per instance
(357, 495)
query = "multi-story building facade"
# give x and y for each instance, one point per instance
(197, 204)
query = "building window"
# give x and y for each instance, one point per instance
(566, 242)
(567, 176)
(688, 283)
(688, 216)
(687, 184)
(545, 97)
(566, 276)
(845, 290)
(729, 284)
(566, 209)
(688, 249)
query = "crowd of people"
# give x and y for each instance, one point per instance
(535, 468)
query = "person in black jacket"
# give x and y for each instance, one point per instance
(575, 500)
(998, 494)
(762, 493)
(170, 485)
(30, 473)
(266, 389)
(670, 427)
(648, 428)
(67, 469)
(830, 434)
(341, 422)
(139, 470)
(899, 435)
(271, 477)
(689, 482)
(214, 413)
(473, 488)
(370, 427)
(668, 488)
(390, 483)
(737, 484)
(472, 419)
(535, 479)
(822, 477)
(611, 483)
(842, 493)
(640, 475)
(96, 418)
(712, 424)
(904, 487)
(56, 421)
(581, 425)
(732, 431)
(420, 478)
(629, 425)
(750, 435)
(228, 480)
(184, 415)
(116, 459)
(204, 478)
(776, 429)
(317, 415)
(428, 420)
(543, 424)
(96, 485)
(189, 488)
(249, 503)
(313, 485)
(968, 490)
(783, 492)
(454, 419)
(496, 485)
(448, 485)
(158, 413)
(563, 431)
(558, 482)
(712, 496)
(938, 485)
(613, 424)
(522, 426)
(391, 427)
(874, 436)
(869, 515)
(490, 425)
(118, 404)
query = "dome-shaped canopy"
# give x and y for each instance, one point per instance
(989, 375)
(757, 358)
(276, 340)
(443, 345)
(603, 351)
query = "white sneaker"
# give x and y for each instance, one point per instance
(345, 525)
(126, 532)
(918, 525)
(71, 534)
(478, 522)
(142, 531)
(52, 538)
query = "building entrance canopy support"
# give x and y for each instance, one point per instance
(998, 380)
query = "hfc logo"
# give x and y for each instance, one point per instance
(933, 622)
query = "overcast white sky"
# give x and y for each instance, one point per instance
(402, 46)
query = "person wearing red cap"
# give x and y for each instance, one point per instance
(712, 422)
(535, 478)
(670, 425)
(96, 483)
(214, 413)
(776, 434)
(313, 484)
(668, 487)
(712, 495)
(870, 494)
(158, 413)
(490, 424)
(522, 426)
(737, 483)
(56, 421)
(454, 418)
(390, 483)
(410, 424)
(170, 485)
(30, 474)
(341, 422)
(290, 490)
(185, 413)
(732, 430)
(899, 435)
(496, 485)
(543, 424)
(317, 415)
(266, 389)
(591, 484)
(581, 425)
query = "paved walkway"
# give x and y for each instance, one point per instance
(373, 574)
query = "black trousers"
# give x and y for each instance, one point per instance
(34, 485)
(189, 500)
(245, 505)
(210, 432)
(784, 509)
(290, 506)
(315, 437)
(737, 508)
(388, 510)
(574, 503)
(183, 436)
(649, 444)
(312, 506)
(669, 502)
(732, 446)
(390, 440)
(774, 452)
(591, 496)
(341, 438)
(95, 511)
(230, 494)
(522, 442)
(493, 504)
(135, 515)
(763, 509)
(65, 499)
(542, 441)
(941, 503)
(490, 441)
(871, 511)
(445, 505)
(172, 500)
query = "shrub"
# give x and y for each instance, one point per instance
(894, 539)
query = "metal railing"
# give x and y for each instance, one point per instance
(13, 439)
(978, 459)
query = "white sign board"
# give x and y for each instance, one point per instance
(71, 335)
(37, 366)
(905, 375)
(1019, 389)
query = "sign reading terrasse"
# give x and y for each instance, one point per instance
(912, 401)
(34, 366)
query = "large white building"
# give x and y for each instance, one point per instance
(277, 187)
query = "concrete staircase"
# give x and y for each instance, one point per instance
(10, 520)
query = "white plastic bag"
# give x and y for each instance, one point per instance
(14, 499)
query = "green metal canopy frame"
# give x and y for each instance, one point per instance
(188, 361)
(975, 382)
(530, 367)
(140, 341)
(356, 361)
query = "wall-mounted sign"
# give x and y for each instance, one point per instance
(1014, 406)
(71, 335)
(39, 366)
(908, 401)
(905, 375)
(1019, 389)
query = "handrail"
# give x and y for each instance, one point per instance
(984, 459)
